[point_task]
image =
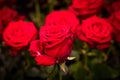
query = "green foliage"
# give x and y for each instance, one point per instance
(78, 71)
(103, 71)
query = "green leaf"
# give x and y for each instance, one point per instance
(77, 71)
(103, 71)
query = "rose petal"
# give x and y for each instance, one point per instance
(45, 60)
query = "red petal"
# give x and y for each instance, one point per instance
(45, 60)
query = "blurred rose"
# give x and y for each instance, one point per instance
(96, 32)
(113, 6)
(85, 7)
(1, 31)
(115, 21)
(62, 17)
(54, 46)
(116, 5)
(19, 34)
(7, 15)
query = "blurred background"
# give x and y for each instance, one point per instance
(89, 64)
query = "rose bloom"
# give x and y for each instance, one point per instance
(19, 34)
(7, 15)
(115, 21)
(85, 7)
(116, 5)
(96, 32)
(113, 6)
(1, 31)
(54, 46)
(62, 17)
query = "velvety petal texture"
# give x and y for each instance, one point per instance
(62, 17)
(19, 34)
(96, 32)
(56, 38)
(57, 41)
(36, 49)
(45, 60)
(54, 46)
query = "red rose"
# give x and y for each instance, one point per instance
(7, 15)
(19, 34)
(115, 21)
(62, 17)
(116, 5)
(1, 31)
(96, 32)
(54, 46)
(36, 50)
(85, 7)
(113, 6)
